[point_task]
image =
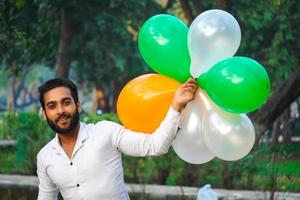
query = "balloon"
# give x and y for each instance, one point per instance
(213, 36)
(144, 102)
(228, 136)
(237, 84)
(189, 144)
(162, 43)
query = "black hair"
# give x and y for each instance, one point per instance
(54, 83)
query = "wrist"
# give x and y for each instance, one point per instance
(176, 106)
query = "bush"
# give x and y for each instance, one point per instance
(7, 161)
(8, 126)
(31, 133)
(93, 118)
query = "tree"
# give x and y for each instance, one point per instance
(96, 37)
(20, 40)
(106, 51)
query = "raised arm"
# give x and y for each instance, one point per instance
(139, 144)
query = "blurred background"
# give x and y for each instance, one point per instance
(94, 43)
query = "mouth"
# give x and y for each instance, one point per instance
(63, 120)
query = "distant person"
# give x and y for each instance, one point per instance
(83, 161)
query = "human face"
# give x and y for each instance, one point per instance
(61, 112)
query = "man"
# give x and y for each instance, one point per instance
(83, 161)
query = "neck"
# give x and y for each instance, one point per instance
(69, 138)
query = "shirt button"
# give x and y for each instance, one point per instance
(71, 163)
(77, 185)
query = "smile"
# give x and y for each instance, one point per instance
(63, 119)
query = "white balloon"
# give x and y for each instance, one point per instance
(213, 36)
(228, 136)
(189, 144)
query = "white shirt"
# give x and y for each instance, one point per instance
(95, 169)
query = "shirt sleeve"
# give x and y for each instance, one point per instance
(141, 144)
(47, 189)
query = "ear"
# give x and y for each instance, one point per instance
(78, 105)
(44, 114)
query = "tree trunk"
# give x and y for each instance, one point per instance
(275, 131)
(227, 175)
(273, 177)
(279, 100)
(168, 4)
(63, 56)
(187, 10)
(94, 106)
(99, 99)
(115, 91)
(10, 102)
(286, 128)
(112, 95)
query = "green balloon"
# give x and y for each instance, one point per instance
(237, 84)
(163, 45)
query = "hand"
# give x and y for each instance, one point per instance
(184, 94)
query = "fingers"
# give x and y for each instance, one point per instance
(191, 80)
(190, 89)
(191, 85)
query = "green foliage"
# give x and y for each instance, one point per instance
(3, 82)
(252, 172)
(289, 149)
(104, 47)
(7, 161)
(289, 168)
(93, 118)
(22, 35)
(170, 170)
(31, 134)
(8, 126)
(165, 169)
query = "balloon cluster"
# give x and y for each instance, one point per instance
(214, 124)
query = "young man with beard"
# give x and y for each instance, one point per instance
(83, 161)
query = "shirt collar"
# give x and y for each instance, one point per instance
(82, 136)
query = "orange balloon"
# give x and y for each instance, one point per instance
(144, 102)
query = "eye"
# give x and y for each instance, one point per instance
(51, 107)
(67, 102)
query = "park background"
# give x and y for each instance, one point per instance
(94, 43)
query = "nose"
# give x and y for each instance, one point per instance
(60, 109)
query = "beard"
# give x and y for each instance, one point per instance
(68, 129)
